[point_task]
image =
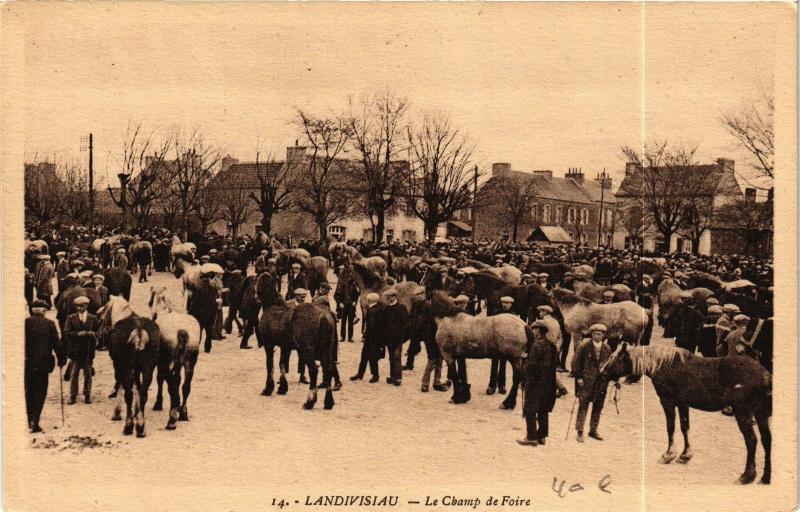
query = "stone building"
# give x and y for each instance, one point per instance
(569, 206)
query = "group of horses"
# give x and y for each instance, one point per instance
(169, 340)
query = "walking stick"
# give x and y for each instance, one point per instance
(61, 386)
(566, 437)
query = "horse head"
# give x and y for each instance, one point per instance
(443, 306)
(158, 301)
(618, 365)
(115, 310)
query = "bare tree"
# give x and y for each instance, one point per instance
(43, 192)
(513, 200)
(752, 127)
(441, 177)
(141, 180)
(636, 221)
(209, 206)
(754, 220)
(377, 124)
(276, 184)
(235, 205)
(194, 166)
(324, 191)
(668, 184)
(75, 198)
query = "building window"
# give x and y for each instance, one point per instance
(558, 215)
(609, 217)
(337, 232)
(571, 216)
(546, 213)
(366, 235)
(534, 211)
(571, 236)
(505, 234)
(584, 216)
(409, 235)
(389, 235)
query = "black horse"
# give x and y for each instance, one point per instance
(685, 381)
(118, 282)
(271, 330)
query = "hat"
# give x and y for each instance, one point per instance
(538, 324)
(81, 300)
(39, 303)
(526, 276)
(598, 327)
(61, 253)
(711, 301)
(205, 257)
(608, 293)
(461, 299)
(373, 297)
(686, 294)
(341, 267)
(647, 276)
(212, 251)
(507, 300)
(264, 251)
(741, 318)
(460, 273)
(545, 308)
(730, 308)
(121, 249)
(86, 273)
(101, 277)
(544, 274)
(296, 265)
(76, 263)
(236, 272)
(391, 292)
(272, 260)
(211, 268)
(715, 310)
(300, 291)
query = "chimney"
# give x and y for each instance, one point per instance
(726, 164)
(499, 168)
(295, 153)
(750, 195)
(606, 183)
(546, 174)
(227, 162)
(630, 168)
(576, 174)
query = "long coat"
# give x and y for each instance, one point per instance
(43, 278)
(587, 367)
(395, 325)
(294, 282)
(41, 341)
(373, 333)
(540, 378)
(81, 348)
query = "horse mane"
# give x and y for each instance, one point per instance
(650, 359)
(367, 280)
(569, 298)
(442, 305)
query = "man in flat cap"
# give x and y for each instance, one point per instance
(373, 347)
(121, 260)
(540, 385)
(589, 386)
(346, 297)
(42, 347)
(43, 279)
(80, 337)
(707, 341)
(296, 278)
(395, 322)
(687, 322)
(725, 326)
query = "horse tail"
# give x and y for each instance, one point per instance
(138, 337)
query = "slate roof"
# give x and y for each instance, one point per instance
(557, 189)
(554, 234)
(721, 180)
(592, 188)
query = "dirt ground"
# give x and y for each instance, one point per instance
(240, 450)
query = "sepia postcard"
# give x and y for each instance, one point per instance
(416, 256)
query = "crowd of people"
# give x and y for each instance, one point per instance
(716, 324)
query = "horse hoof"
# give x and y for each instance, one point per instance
(128, 430)
(269, 388)
(141, 434)
(490, 390)
(308, 406)
(507, 407)
(328, 403)
(158, 406)
(265, 392)
(171, 426)
(667, 458)
(283, 387)
(183, 415)
(765, 480)
(116, 417)
(747, 477)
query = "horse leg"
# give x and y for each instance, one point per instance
(686, 455)
(128, 392)
(173, 381)
(183, 412)
(312, 385)
(270, 385)
(159, 405)
(766, 441)
(117, 416)
(750, 441)
(462, 376)
(511, 400)
(327, 376)
(147, 378)
(490, 389)
(457, 397)
(283, 367)
(669, 412)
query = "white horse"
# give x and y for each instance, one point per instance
(626, 319)
(180, 335)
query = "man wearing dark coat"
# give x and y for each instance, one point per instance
(233, 280)
(41, 343)
(346, 297)
(395, 324)
(296, 278)
(540, 385)
(80, 335)
(204, 307)
(687, 323)
(372, 348)
(589, 386)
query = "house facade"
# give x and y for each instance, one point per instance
(572, 203)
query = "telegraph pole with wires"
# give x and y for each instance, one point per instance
(87, 144)
(602, 198)
(474, 201)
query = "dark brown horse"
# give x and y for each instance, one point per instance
(683, 381)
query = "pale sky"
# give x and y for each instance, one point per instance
(542, 86)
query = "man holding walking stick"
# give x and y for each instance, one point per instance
(80, 335)
(589, 386)
(42, 347)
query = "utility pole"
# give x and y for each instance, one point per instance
(602, 197)
(474, 200)
(91, 186)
